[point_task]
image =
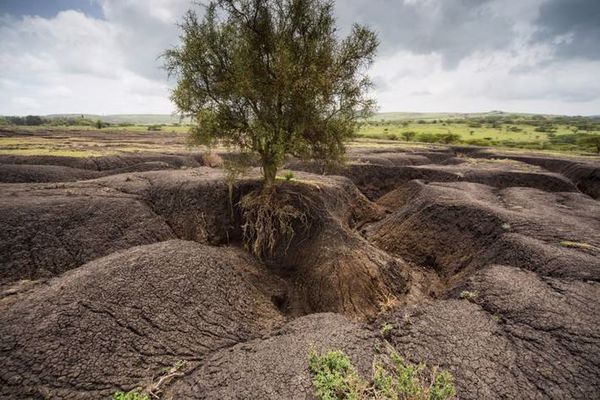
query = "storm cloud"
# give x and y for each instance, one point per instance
(102, 56)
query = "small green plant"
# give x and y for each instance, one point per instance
(288, 176)
(335, 378)
(386, 329)
(134, 394)
(469, 295)
(579, 245)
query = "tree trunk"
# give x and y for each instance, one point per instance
(269, 173)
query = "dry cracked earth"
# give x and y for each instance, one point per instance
(127, 271)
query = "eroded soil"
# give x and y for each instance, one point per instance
(115, 270)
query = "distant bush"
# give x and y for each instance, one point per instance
(545, 129)
(155, 128)
(446, 138)
(590, 140)
(408, 135)
(478, 142)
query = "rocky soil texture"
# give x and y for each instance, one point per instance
(128, 271)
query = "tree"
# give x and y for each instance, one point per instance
(590, 140)
(408, 135)
(272, 77)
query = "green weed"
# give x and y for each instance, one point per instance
(335, 378)
(134, 394)
(469, 295)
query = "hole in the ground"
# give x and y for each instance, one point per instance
(280, 301)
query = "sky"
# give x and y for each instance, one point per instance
(102, 56)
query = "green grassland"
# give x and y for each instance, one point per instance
(548, 133)
(535, 132)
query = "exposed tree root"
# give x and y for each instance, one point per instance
(270, 220)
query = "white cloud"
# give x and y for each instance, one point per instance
(437, 55)
(76, 63)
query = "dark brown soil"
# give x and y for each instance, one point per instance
(117, 321)
(115, 270)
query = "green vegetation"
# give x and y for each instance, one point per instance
(335, 378)
(134, 394)
(469, 295)
(386, 329)
(534, 132)
(288, 176)
(577, 245)
(273, 78)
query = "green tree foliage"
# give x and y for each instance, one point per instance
(272, 77)
(592, 140)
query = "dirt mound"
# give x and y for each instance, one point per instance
(450, 226)
(330, 267)
(117, 322)
(47, 230)
(584, 173)
(277, 367)
(196, 204)
(390, 159)
(64, 161)
(378, 178)
(103, 163)
(519, 336)
(129, 160)
(19, 173)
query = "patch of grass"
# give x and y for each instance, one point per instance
(335, 378)
(577, 245)
(469, 295)
(289, 175)
(386, 329)
(134, 394)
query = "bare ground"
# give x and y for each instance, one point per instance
(116, 269)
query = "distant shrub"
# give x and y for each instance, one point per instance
(590, 140)
(545, 128)
(408, 135)
(446, 138)
(155, 128)
(478, 142)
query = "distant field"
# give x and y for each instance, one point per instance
(534, 132)
(81, 135)
(527, 133)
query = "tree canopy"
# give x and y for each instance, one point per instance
(272, 77)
